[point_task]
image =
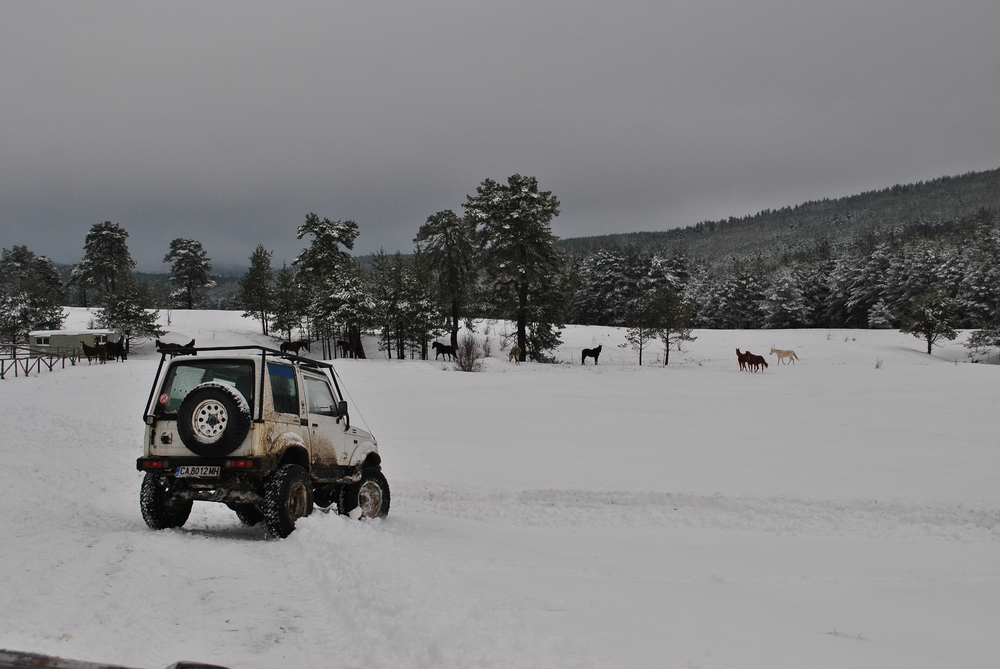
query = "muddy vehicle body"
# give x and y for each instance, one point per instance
(264, 432)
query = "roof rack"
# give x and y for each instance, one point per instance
(264, 352)
(188, 350)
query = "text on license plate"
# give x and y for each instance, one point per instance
(200, 471)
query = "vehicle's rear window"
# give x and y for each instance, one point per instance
(182, 377)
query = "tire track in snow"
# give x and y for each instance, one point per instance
(947, 521)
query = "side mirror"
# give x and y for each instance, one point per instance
(342, 413)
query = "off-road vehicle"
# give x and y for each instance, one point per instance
(264, 432)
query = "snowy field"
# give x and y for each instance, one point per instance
(835, 513)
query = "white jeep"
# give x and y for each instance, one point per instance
(264, 432)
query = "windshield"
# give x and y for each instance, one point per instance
(182, 377)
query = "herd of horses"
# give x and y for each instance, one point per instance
(111, 350)
(754, 363)
(116, 351)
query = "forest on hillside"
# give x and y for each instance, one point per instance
(837, 224)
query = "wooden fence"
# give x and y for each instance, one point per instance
(28, 363)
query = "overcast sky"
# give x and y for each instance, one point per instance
(228, 122)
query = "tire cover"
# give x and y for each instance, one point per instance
(222, 421)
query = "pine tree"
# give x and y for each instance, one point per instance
(289, 305)
(675, 314)
(784, 303)
(931, 316)
(32, 293)
(107, 256)
(449, 242)
(256, 288)
(128, 311)
(323, 269)
(189, 270)
(520, 258)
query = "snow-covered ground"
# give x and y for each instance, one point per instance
(834, 513)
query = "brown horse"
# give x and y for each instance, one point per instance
(347, 347)
(99, 353)
(294, 346)
(742, 359)
(756, 362)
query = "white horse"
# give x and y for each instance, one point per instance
(784, 355)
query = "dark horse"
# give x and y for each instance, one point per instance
(441, 349)
(347, 347)
(294, 346)
(742, 359)
(175, 349)
(116, 351)
(594, 353)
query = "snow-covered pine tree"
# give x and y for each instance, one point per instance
(107, 256)
(189, 271)
(127, 311)
(520, 257)
(256, 288)
(784, 301)
(449, 244)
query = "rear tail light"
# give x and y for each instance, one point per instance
(152, 464)
(242, 463)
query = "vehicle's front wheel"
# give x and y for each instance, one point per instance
(287, 497)
(160, 507)
(371, 494)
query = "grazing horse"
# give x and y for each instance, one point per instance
(175, 349)
(294, 346)
(742, 359)
(345, 348)
(441, 349)
(116, 351)
(515, 354)
(99, 353)
(756, 362)
(784, 355)
(594, 353)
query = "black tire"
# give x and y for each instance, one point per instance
(248, 514)
(160, 509)
(288, 496)
(371, 493)
(325, 496)
(213, 420)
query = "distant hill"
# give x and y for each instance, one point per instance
(835, 223)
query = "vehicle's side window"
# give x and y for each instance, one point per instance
(284, 390)
(320, 396)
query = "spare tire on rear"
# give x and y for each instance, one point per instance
(213, 420)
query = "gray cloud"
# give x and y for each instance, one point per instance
(228, 122)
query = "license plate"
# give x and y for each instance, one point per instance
(197, 471)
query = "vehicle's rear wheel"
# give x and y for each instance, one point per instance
(249, 514)
(161, 509)
(287, 497)
(371, 494)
